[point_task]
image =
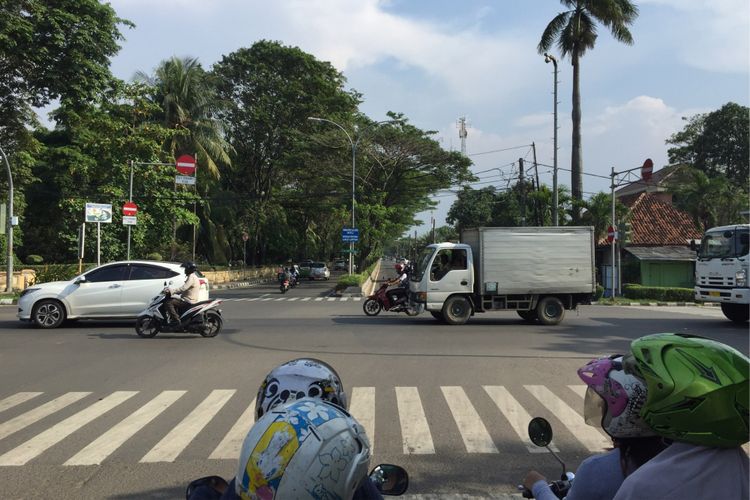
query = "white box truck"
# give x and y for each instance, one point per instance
(539, 272)
(721, 270)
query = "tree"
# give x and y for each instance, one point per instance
(599, 214)
(716, 143)
(189, 106)
(711, 201)
(574, 32)
(52, 49)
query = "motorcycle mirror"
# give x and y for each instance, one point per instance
(390, 479)
(540, 432)
(210, 484)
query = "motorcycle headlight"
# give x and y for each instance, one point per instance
(740, 277)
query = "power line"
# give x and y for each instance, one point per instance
(500, 150)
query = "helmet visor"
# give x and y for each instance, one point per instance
(594, 407)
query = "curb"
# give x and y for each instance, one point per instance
(8, 302)
(241, 284)
(661, 304)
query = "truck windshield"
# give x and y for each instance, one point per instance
(725, 244)
(421, 264)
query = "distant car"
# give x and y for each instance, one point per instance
(116, 290)
(319, 271)
(304, 268)
(341, 265)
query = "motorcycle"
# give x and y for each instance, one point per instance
(390, 480)
(283, 282)
(540, 433)
(381, 301)
(203, 318)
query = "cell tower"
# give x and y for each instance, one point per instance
(462, 133)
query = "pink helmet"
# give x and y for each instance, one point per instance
(399, 268)
(614, 398)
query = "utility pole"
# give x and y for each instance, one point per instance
(462, 133)
(555, 219)
(539, 220)
(522, 184)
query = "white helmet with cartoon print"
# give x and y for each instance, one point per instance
(307, 448)
(297, 379)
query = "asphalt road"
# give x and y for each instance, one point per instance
(93, 411)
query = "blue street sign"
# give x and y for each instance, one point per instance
(350, 235)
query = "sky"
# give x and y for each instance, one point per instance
(438, 60)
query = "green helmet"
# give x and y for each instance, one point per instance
(697, 388)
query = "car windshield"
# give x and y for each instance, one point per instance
(318, 264)
(724, 244)
(421, 264)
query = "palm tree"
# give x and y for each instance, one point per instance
(574, 31)
(188, 106)
(710, 201)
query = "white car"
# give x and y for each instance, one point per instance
(114, 290)
(319, 271)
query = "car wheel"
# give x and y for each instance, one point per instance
(456, 310)
(550, 311)
(48, 313)
(212, 325)
(146, 327)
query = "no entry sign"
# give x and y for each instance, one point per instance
(185, 165)
(129, 209)
(610, 234)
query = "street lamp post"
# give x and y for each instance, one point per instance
(9, 228)
(354, 165)
(555, 218)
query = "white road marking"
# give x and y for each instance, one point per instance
(587, 435)
(26, 419)
(516, 415)
(318, 299)
(17, 399)
(267, 299)
(356, 299)
(331, 299)
(362, 407)
(474, 433)
(183, 433)
(107, 443)
(415, 432)
(579, 389)
(293, 299)
(305, 299)
(42, 442)
(280, 299)
(231, 445)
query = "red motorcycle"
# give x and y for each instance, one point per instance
(381, 301)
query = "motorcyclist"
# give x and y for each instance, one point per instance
(287, 383)
(188, 294)
(698, 396)
(399, 294)
(613, 401)
(293, 275)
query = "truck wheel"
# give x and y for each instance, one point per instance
(738, 313)
(528, 316)
(456, 310)
(550, 311)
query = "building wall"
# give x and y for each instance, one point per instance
(665, 273)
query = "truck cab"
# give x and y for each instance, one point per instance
(721, 270)
(442, 270)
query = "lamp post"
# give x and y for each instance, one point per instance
(9, 228)
(555, 219)
(354, 165)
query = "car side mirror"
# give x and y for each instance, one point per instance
(390, 479)
(79, 280)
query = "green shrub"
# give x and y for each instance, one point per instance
(662, 294)
(34, 259)
(55, 272)
(599, 292)
(154, 256)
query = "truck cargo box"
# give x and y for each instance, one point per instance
(532, 260)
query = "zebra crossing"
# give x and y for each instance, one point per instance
(274, 298)
(416, 417)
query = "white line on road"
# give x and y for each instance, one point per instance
(362, 408)
(231, 445)
(253, 299)
(331, 299)
(181, 435)
(26, 419)
(266, 299)
(473, 432)
(305, 299)
(587, 435)
(516, 415)
(344, 299)
(356, 299)
(415, 432)
(107, 443)
(280, 299)
(293, 299)
(318, 299)
(42, 442)
(17, 399)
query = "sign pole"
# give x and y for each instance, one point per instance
(614, 226)
(81, 242)
(98, 243)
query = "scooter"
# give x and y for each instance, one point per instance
(381, 301)
(203, 318)
(390, 480)
(283, 282)
(540, 433)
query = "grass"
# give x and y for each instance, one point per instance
(608, 301)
